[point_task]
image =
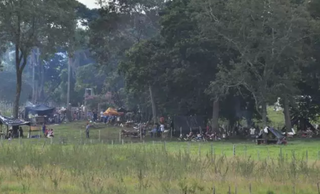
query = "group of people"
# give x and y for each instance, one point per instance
(48, 133)
(158, 130)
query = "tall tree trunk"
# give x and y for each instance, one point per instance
(153, 105)
(69, 79)
(34, 82)
(286, 112)
(69, 116)
(264, 114)
(18, 93)
(41, 79)
(215, 115)
(20, 58)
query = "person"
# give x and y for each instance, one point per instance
(94, 116)
(101, 116)
(44, 128)
(153, 131)
(50, 133)
(20, 132)
(87, 130)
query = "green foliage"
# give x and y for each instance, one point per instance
(271, 44)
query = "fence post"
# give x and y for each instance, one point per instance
(318, 186)
(229, 190)
(280, 153)
(19, 138)
(119, 136)
(99, 135)
(199, 150)
(211, 151)
(234, 150)
(214, 190)
(294, 189)
(307, 156)
(250, 189)
(235, 190)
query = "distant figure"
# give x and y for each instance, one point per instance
(20, 132)
(87, 130)
(44, 128)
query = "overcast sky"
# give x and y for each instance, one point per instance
(89, 3)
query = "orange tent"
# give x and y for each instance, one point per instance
(111, 111)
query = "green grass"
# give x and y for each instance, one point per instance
(70, 164)
(276, 117)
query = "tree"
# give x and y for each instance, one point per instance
(34, 23)
(265, 35)
(141, 69)
(121, 25)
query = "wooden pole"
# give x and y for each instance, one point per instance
(234, 150)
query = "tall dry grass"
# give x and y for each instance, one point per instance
(145, 169)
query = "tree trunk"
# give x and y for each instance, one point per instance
(264, 114)
(18, 92)
(153, 105)
(33, 82)
(69, 77)
(215, 115)
(286, 112)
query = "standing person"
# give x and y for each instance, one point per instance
(87, 130)
(44, 128)
(101, 116)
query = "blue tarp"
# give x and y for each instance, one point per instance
(39, 110)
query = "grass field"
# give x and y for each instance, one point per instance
(70, 164)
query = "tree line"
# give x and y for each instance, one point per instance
(181, 57)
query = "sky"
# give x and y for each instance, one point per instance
(89, 3)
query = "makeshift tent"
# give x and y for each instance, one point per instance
(39, 110)
(270, 135)
(113, 112)
(12, 123)
(187, 123)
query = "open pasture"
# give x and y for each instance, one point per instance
(70, 164)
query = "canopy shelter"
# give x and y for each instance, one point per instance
(270, 135)
(40, 110)
(12, 123)
(112, 112)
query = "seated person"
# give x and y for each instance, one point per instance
(50, 133)
(153, 131)
(199, 136)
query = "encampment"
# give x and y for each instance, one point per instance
(40, 110)
(14, 124)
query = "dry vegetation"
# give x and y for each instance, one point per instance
(158, 168)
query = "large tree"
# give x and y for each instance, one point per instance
(269, 38)
(34, 23)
